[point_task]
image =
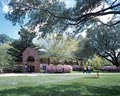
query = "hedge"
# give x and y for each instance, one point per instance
(59, 69)
(111, 69)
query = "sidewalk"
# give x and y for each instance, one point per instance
(41, 74)
(38, 74)
(18, 74)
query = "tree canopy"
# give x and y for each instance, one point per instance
(5, 39)
(84, 50)
(18, 46)
(106, 42)
(53, 14)
(5, 59)
(57, 47)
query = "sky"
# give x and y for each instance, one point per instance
(6, 26)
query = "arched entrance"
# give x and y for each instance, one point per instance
(30, 62)
(31, 58)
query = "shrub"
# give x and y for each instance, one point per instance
(17, 69)
(77, 68)
(59, 69)
(7, 70)
(13, 69)
(111, 69)
(67, 68)
(51, 68)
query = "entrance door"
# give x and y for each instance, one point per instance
(31, 67)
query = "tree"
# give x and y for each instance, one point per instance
(97, 63)
(5, 59)
(5, 39)
(52, 14)
(57, 47)
(18, 46)
(37, 11)
(106, 42)
(84, 50)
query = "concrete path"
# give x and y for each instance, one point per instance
(18, 74)
(38, 74)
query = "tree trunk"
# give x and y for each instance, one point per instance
(116, 63)
(114, 60)
(98, 74)
(49, 61)
(81, 62)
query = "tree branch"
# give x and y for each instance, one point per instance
(118, 55)
(106, 58)
(99, 13)
(113, 2)
(46, 10)
(82, 18)
(112, 24)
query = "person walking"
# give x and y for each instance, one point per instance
(85, 69)
(89, 68)
(26, 68)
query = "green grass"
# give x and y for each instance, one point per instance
(61, 85)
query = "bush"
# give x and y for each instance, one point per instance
(59, 69)
(17, 69)
(13, 69)
(67, 68)
(111, 69)
(7, 70)
(77, 68)
(51, 69)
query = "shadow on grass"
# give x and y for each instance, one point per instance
(74, 89)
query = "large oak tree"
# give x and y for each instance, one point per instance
(52, 14)
(106, 42)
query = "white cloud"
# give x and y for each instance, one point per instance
(69, 3)
(6, 9)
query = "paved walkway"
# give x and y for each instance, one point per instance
(38, 74)
(18, 74)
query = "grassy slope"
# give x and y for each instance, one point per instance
(61, 85)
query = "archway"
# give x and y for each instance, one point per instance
(30, 62)
(31, 54)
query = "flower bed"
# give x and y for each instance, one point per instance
(59, 69)
(111, 69)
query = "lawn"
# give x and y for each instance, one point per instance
(61, 85)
